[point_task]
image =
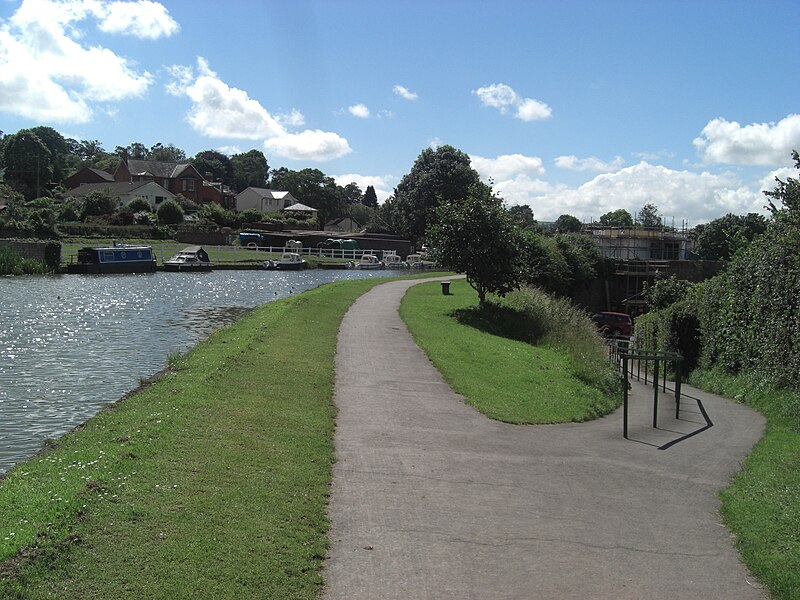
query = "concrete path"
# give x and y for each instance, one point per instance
(431, 499)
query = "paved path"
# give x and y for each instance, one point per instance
(433, 500)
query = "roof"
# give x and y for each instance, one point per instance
(117, 188)
(157, 168)
(103, 174)
(266, 193)
(299, 208)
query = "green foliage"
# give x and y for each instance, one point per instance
(559, 264)
(352, 193)
(249, 169)
(617, 218)
(138, 205)
(215, 213)
(12, 263)
(251, 215)
(648, 216)
(69, 211)
(27, 162)
(722, 238)
(437, 176)
(217, 164)
(787, 196)
(52, 255)
(370, 197)
(665, 292)
(476, 236)
(523, 216)
(169, 212)
(674, 328)
(313, 188)
(568, 224)
(98, 203)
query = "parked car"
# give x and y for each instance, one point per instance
(613, 323)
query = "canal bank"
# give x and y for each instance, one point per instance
(212, 482)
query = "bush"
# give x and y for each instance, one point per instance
(169, 213)
(138, 205)
(12, 263)
(97, 204)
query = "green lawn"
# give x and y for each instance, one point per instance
(762, 504)
(506, 379)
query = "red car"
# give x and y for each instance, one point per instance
(613, 323)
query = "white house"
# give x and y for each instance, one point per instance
(263, 199)
(125, 191)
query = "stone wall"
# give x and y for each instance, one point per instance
(34, 250)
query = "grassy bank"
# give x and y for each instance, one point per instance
(762, 504)
(12, 263)
(528, 359)
(210, 483)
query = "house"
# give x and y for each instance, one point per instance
(87, 175)
(343, 225)
(125, 191)
(177, 178)
(263, 199)
(629, 243)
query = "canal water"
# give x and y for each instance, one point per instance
(70, 344)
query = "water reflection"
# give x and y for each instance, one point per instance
(70, 344)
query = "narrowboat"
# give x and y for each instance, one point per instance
(115, 259)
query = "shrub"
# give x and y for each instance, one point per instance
(169, 213)
(138, 205)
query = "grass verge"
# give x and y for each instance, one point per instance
(516, 361)
(211, 483)
(762, 504)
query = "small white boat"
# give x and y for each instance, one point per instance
(289, 261)
(367, 261)
(393, 261)
(191, 258)
(415, 261)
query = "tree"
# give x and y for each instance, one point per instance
(522, 214)
(168, 153)
(215, 164)
(136, 151)
(88, 149)
(313, 188)
(568, 224)
(59, 150)
(249, 169)
(787, 193)
(27, 161)
(649, 217)
(98, 203)
(370, 197)
(476, 236)
(169, 212)
(617, 218)
(352, 193)
(138, 204)
(437, 176)
(722, 238)
(665, 292)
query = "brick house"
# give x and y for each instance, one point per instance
(87, 175)
(178, 178)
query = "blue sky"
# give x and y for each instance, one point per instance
(570, 107)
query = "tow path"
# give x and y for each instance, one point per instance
(431, 499)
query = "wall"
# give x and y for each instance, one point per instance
(29, 249)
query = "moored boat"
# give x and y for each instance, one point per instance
(289, 261)
(393, 261)
(367, 261)
(115, 259)
(191, 258)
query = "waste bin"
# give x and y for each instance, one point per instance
(446, 288)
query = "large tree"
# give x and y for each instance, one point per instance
(28, 163)
(617, 218)
(568, 224)
(437, 176)
(370, 197)
(475, 235)
(214, 165)
(523, 216)
(352, 193)
(649, 217)
(168, 153)
(249, 169)
(313, 188)
(721, 238)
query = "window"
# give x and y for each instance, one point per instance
(188, 185)
(160, 199)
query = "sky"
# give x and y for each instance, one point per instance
(571, 107)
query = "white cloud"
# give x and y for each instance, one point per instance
(506, 166)
(383, 184)
(359, 110)
(727, 142)
(505, 99)
(573, 163)
(143, 19)
(292, 119)
(309, 145)
(697, 197)
(46, 73)
(404, 92)
(221, 111)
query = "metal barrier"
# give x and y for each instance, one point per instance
(631, 361)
